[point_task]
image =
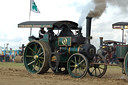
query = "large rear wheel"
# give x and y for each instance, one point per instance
(36, 57)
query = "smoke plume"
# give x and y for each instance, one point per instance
(100, 6)
(122, 4)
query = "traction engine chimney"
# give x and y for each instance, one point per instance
(88, 29)
(101, 41)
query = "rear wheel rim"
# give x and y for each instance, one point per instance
(77, 65)
(34, 57)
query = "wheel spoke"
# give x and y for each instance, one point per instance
(31, 63)
(40, 62)
(75, 60)
(75, 70)
(81, 62)
(41, 57)
(99, 70)
(34, 67)
(32, 50)
(72, 66)
(81, 70)
(95, 72)
(82, 65)
(41, 53)
(29, 56)
(39, 65)
(72, 61)
(35, 48)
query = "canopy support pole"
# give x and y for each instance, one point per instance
(122, 36)
(30, 17)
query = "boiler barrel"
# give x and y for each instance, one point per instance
(71, 50)
(121, 51)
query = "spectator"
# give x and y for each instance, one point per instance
(12, 58)
(7, 58)
(1, 58)
(41, 33)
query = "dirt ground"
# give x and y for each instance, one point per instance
(16, 74)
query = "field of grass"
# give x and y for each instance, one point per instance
(11, 64)
(12, 73)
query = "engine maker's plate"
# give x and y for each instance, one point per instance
(64, 41)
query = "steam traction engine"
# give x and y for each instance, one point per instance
(65, 52)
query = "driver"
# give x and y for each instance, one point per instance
(66, 31)
(41, 33)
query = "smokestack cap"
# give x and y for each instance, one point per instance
(88, 17)
(101, 37)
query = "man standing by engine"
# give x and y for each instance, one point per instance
(41, 33)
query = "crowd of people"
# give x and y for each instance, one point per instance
(6, 58)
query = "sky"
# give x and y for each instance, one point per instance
(14, 12)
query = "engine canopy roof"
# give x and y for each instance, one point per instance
(120, 25)
(55, 25)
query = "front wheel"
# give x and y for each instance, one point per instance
(77, 65)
